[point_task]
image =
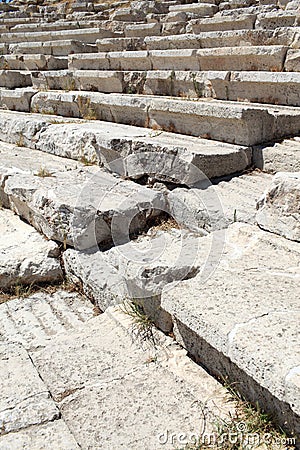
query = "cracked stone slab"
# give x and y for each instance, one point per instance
(48, 436)
(35, 320)
(240, 321)
(138, 270)
(282, 156)
(279, 207)
(82, 207)
(232, 122)
(134, 152)
(128, 150)
(25, 399)
(219, 205)
(89, 372)
(26, 257)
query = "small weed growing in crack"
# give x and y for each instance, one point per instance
(142, 325)
(43, 173)
(250, 429)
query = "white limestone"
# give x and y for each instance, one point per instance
(278, 209)
(26, 257)
(36, 321)
(237, 330)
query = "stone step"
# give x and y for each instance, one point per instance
(258, 87)
(130, 151)
(276, 19)
(203, 9)
(278, 211)
(246, 58)
(25, 399)
(35, 321)
(219, 205)
(279, 157)
(120, 44)
(33, 62)
(55, 48)
(18, 99)
(239, 123)
(288, 36)
(90, 371)
(143, 30)
(86, 35)
(53, 26)
(227, 38)
(137, 270)
(26, 257)
(235, 330)
(292, 62)
(12, 79)
(243, 22)
(51, 202)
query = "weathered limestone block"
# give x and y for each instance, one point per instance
(41, 317)
(101, 365)
(26, 257)
(171, 28)
(203, 9)
(22, 129)
(58, 79)
(264, 58)
(134, 152)
(227, 38)
(187, 84)
(130, 60)
(25, 399)
(174, 60)
(120, 44)
(219, 205)
(265, 87)
(137, 270)
(101, 81)
(273, 20)
(55, 48)
(279, 157)
(186, 41)
(52, 434)
(18, 99)
(235, 330)
(279, 207)
(216, 23)
(12, 79)
(143, 30)
(292, 62)
(243, 124)
(33, 62)
(87, 35)
(90, 61)
(105, 208)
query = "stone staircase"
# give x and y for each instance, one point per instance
(138, 144)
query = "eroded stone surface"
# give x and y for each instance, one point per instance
(138, 269)
(219, 205)
(102, 365)
(38, 319)
(279, 207)
(51, 435)
(26, 257)
(25, 399)
(249, 331)
(104, 208)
